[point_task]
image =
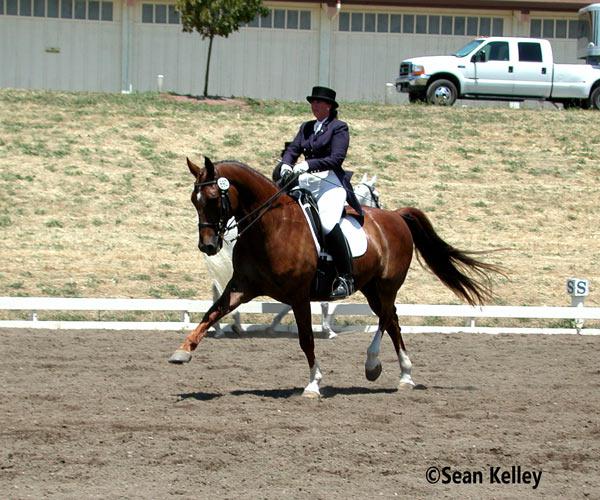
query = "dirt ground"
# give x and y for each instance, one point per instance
(98, 414)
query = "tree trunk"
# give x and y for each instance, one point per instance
(207, 66)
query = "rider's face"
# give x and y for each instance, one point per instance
(320, 109)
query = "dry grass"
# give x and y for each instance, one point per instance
(94, 191)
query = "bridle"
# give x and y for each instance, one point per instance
(220, 227)
(374, 195)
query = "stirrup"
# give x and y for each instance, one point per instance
(342, 287)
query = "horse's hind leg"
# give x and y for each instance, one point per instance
(307, 344)
(394, 332)
(388, 321)
(373, 364)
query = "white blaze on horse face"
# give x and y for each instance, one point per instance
(199, 196)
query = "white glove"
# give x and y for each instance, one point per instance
(301, 167)
(285, 170)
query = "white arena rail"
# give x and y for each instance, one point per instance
(34, 305)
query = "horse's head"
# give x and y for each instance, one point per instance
(212, 197)
(366, 193)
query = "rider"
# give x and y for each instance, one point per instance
(324, 143)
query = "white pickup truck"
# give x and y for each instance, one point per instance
(506, 68)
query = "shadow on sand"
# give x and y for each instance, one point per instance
(326, 392)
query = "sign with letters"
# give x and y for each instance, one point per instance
(577, 287)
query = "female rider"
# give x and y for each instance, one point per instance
(323, 143)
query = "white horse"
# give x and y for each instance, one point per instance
(220, 265)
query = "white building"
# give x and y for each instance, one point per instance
(355, 47)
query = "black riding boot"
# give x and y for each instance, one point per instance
(338, 248)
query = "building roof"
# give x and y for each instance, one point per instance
(523, 5)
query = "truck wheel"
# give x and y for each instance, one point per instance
(442, 93)
(595, 98)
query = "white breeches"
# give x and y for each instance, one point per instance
(329, 193)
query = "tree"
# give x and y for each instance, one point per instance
(212, 18)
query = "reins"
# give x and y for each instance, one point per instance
(223, 225)
(262, 209)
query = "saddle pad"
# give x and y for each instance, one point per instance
(355, 235)
(353, 231)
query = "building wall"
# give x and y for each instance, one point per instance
(254, 62)
(53, 53)
(143, 39)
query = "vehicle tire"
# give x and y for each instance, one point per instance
(595, 98)
(442, 93)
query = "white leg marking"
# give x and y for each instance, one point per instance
(237, 323)
(325, 321)
(312, 389)
(405, 369)
(373, 352)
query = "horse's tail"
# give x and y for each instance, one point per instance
(448, 263)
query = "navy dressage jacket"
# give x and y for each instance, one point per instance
(325, 150)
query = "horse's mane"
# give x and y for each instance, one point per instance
(245, 168)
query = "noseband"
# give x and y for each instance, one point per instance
(219, 227)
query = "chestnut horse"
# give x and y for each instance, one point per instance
(275, 256)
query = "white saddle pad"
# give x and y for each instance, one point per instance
(356, 236)
(353, 231)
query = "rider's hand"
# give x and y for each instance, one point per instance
(285, 171)
(301, 167)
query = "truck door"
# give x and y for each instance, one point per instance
(489, 70)
(533, 71)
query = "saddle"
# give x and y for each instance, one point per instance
(352, 229)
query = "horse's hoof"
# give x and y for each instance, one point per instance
(311, 394)
(180, 356)
(406, 385)
(373, 373)
(238, 330)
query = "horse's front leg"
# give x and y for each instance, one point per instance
(230, 299)
(307, 344)
(217, 326)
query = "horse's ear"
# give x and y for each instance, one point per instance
(364, 179)
(194, 169)
(210, 168)
(374, 180)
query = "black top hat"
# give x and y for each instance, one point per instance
(323, 94)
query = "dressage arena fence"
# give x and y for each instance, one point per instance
(573, 317)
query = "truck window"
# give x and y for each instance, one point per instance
(496, 51)
(467, 48)
(530, 52)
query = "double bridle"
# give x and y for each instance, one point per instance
(222, 225)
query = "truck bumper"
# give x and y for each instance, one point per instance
(412, 83)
